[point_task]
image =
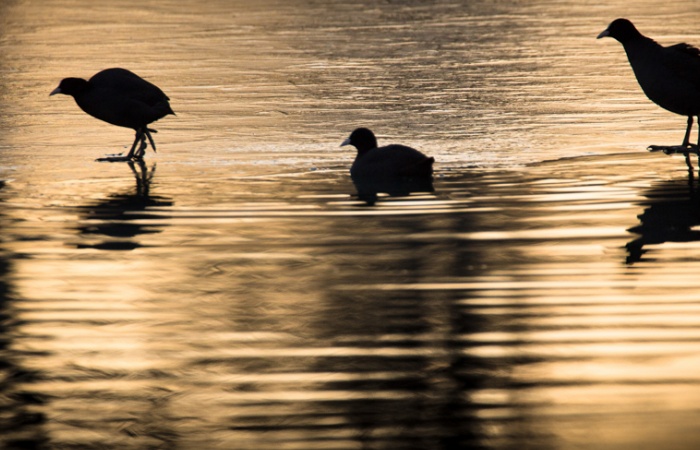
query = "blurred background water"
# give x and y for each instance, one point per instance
(234, 292)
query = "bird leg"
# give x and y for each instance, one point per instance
(147, 132)
(141, 135)
(134, 153)
(686, 148)
(686, 144)
(697, 149)
(137, 138)
(686, 138)
(131, 155)
(138, 156)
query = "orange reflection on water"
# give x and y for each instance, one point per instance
(243, 295)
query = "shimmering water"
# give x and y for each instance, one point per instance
(234, 292)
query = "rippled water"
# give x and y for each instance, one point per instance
(235, 292)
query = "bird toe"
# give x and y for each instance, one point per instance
(675, 149)
(114, 158)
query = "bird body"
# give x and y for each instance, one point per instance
(390, 161)
(122, 98)
(669, 76)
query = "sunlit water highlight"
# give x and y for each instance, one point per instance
(235, 291)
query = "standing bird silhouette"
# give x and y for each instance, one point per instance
(669, 76)
(122, 98)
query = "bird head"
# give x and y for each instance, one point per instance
(620, 29)
(362, 139)
(70, 86)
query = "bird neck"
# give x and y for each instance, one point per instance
(366, 144)
(639, 48)
(364, 149)
(634, 37)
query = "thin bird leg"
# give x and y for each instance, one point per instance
(147, 132)
(142, 148)
(698, 148)
(139, 136)
(686, 142)
(686, 139)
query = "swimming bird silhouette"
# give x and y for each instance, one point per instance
(122, 98)
(390, 161)
(669, 76)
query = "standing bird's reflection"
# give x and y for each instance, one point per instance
(669, 76)
(117, 217)
(672, 214)
(122, 98)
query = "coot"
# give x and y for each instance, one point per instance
(390, 161)
(122, 98)
(669, 76)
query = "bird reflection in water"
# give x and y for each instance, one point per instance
(672, 214)
(368, 188)
(120, 217)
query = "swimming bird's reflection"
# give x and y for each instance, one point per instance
(672, 214)
(369, 188)
(119, 217)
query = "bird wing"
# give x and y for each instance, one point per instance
(684, 60)
(687, 49)
(398, 154)
(130, 85)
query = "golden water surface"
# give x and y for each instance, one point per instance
(235, 292)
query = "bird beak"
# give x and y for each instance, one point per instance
(56, 91)
(345, 142)
(604, 33)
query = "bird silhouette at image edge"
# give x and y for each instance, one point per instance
(390, 161)
(669, 76)
(120, 97)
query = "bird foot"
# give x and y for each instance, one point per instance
(117, 157)
(674, 149)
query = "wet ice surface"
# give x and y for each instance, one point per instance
(233, 291)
